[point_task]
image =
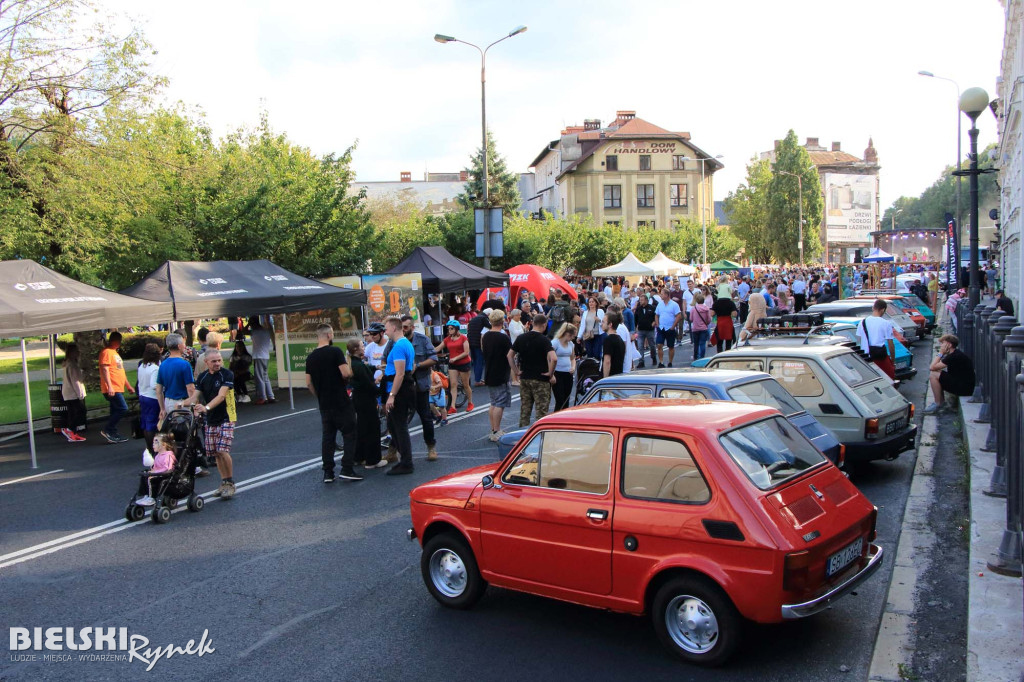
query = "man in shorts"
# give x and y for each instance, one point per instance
(215, 399)
(668, 315)
(498, 363)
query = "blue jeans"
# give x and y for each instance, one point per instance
(595, 346)
(477, 355)
(118, 408)
(700, 343)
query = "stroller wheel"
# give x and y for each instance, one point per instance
(170, 503)
(134, 512)
(161, 515)
(195, 503)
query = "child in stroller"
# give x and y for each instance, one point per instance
(588, 372)
(172, 477)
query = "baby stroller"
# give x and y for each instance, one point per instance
(588, 372)
(169, 488)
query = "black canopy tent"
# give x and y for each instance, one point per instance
(240, 287)
(35, 300)
(444, 273)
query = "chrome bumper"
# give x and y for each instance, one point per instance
(790, 611)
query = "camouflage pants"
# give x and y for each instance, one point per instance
(533, 392)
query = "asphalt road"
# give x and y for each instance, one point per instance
(294, 578)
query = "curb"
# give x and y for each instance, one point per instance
(894, 650)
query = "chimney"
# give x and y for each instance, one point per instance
(871, 154)
(624, 115)
(835, 147)
(463, 176)
(778, 143)
(811, 143)
(591, 124)
(405, 176)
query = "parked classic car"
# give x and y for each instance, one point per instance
(741, 386)
(847, 395)
(700, 513)
(858, 308)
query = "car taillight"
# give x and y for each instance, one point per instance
(871, 428)
(871, 527)
(842, 455)
(910, 412)
(794, 577)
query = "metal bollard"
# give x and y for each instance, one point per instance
(984, 357)
(1008, 559)
(968, 325)
(1000, 399)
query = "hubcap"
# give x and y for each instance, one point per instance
(692, 624)
(448, 573)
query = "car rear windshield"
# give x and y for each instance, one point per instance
(766, 392)
(851, 369)
(770, 451)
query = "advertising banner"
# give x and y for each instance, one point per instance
(302, 333)
(849, 208)
(952, 254)
(398, 294)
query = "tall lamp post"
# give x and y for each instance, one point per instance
(959, 136)
(972, 102)
(703, 200)
(483, 124)
(800, 208)
(896, 213)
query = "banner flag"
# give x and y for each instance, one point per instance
(952, 254)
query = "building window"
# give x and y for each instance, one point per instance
(678, 162)
(611, 163)
(645, 223)
(677, 195)
(645, 196)
(613, 196)
(614, 223)
(645, 162)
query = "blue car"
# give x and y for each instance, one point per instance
(711, 384)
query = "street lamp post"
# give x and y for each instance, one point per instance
(972, 102)
(896, 213)
(800, 211)
(483, 124)
(959, 136)
(703, 201)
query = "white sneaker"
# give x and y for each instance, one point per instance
(932, 408)
(145, 501)
(494, 436)
(379, 465)
(244, 399)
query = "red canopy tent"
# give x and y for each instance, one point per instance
(533, 278)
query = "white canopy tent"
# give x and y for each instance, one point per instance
(663, 265)
(630, 266)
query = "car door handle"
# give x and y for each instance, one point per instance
(597, 514)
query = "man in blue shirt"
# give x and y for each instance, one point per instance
(744, 291)
(174, 382)
(400, 385)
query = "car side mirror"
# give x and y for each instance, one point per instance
(487, 481)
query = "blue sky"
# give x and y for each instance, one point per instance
(735, 74)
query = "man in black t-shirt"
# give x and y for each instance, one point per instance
(645, 318)
(952, 371)
(536, 371)
(614, 346)
(497, 368)
(474, 328)
(327, 374)
(215, 386)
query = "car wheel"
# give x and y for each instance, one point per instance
(450, 571)
(696, 621)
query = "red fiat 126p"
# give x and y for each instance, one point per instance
(699, 513)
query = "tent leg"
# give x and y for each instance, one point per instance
(288, 361)
(28, 406)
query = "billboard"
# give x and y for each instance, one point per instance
(850, 207)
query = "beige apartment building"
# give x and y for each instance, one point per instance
(630, 173)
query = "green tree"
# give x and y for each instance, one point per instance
(784, 205)
(502, 184)
(748, 211)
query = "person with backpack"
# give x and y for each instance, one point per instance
(559, 312)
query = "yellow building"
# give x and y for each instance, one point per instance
(631, 173)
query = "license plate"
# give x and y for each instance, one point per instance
(894, 426)
(843, 557)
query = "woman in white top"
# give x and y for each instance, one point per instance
(73, 392)
(515, 325)
(149, 404)
(591, 324)
(565, 365)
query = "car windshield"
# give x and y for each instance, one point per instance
(770, 451)
(766, 392)
(852, 369)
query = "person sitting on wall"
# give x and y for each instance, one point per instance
(951, 371)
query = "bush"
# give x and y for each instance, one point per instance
(132, 344)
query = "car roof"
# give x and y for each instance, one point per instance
(694, 376)
(661, 414)
(822, 349)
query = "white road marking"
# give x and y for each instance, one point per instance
(29, 478)
(100, 531)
